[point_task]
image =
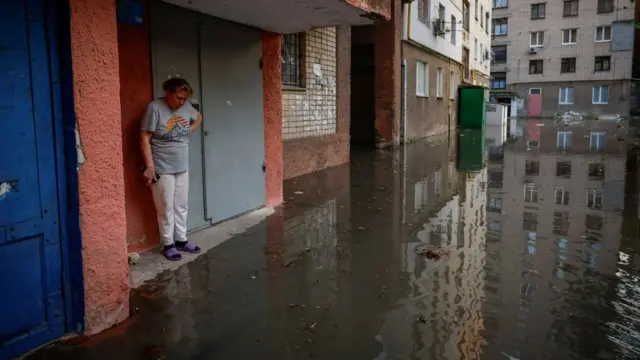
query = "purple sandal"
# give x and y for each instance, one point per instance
(172, 254)
(187, 246)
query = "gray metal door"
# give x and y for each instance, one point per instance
(174, 49)
(232, 100)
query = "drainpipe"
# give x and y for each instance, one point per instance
(404, 101)
(409, 21)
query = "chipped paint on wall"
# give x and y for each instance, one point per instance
(79, 149)
(6, 187)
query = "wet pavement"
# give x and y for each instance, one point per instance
(539, 241)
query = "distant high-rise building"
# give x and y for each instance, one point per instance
(550, 58)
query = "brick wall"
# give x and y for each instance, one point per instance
(306, 154)
(311, 111)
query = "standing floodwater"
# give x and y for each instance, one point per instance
(536, 246)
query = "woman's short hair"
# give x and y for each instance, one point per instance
(174, 84)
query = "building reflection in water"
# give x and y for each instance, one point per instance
(554, 213)
(542, 259)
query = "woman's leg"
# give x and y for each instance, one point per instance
(163, 197)
(180, 207)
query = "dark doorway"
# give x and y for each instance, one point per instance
(362, 130)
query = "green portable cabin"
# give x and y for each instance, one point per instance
(472, 112)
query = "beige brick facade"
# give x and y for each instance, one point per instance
(311, 109)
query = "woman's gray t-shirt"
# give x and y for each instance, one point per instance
(170, 135)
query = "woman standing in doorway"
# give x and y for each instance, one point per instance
(164, 139)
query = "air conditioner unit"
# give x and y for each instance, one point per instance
(438, 27)
(533, 50)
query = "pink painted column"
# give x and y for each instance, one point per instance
(272, 89)
(94, 45)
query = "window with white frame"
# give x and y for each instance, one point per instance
(536, 39)
(597, 140)
(420, 192)
(566, 96)
(562, 196)
(530, 193)
(486, 22)
(452, 85)
(439, 83)
(569, 36)
(475, 48)
(600, 94)
(422, 79)
(603, 33)
(564, 139)
(535, 91)
(454, 29)
(594, 199)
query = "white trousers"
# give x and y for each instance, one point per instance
(171, 197)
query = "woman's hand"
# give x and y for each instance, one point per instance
(149, 175)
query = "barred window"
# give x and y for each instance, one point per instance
(293, 59)
(423, 12)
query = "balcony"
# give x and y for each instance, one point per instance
(291, 16)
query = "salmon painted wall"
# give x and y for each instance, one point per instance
(94, 50)
(136, 91)
(272, 90)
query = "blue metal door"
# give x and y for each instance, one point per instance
(32, 310)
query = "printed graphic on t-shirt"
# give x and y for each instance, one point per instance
(176, 127)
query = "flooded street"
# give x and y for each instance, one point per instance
(539, 238)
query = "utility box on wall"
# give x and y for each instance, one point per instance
(471, 107)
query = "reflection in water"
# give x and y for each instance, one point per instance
(542, 260)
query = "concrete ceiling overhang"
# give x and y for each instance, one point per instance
(280, 16)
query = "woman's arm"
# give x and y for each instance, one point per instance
(194, 124)
(145, 147)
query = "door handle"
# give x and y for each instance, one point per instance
(206, 132)
(264, 167)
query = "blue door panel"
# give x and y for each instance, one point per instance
(23, 306)
(32, 307)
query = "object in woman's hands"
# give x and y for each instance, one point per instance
(144, 167)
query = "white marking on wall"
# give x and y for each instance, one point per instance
(6, 187)
(79, 149)
(312, 111)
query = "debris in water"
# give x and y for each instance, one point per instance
(298, 192)
(423, 319)
(134, 258)
(309, 326)
(432, 252)
(509, 356)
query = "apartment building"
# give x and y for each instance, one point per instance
(554, 57)
(477, 41)
(432, 58)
